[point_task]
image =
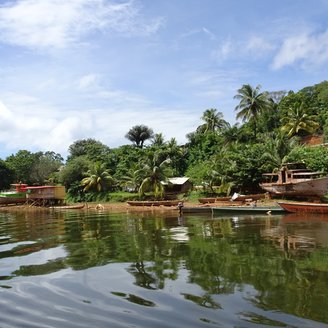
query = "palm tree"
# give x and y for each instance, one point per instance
(297, 120)
(131, 179)
(231, 134)
(158, 139)
(252, 104)
(153, 175)
(278, 148)
(139, 134)
(213, 121)
(97, 178)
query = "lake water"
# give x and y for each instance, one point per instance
(90, 269)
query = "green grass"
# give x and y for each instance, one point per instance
(123, 196)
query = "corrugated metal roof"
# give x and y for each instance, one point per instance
(178, 181)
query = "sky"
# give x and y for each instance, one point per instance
(78, 69)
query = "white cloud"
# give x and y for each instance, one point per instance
(306, 49)
(253, 47)
(60, 23)
(88, 81)
(223, 51)
(209, 33)
(202, 30)
(258, 45)
(27, 123)
(34, 126)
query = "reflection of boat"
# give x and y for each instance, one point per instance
(237, 198)
(302, 217)
(14, 196)
(154, 203)
(294, 179)
(304, 207)
(248, 209)
(68, 207)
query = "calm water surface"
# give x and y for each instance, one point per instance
(89, 269)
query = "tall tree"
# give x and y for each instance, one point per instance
(138, 134)
(252, 103)
(22, 164)
(93, 149)
(154, 174)
(158, 140)
(97, 178)
(277, 148)
(72, 173)
(297, 120)
(213, 121)
(6, 175)
(45, 167)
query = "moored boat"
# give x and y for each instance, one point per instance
(207, 200)
(294, 179)
(154, 203)
(68, 207)
(16, 196)
(248, 210)
(294, 207)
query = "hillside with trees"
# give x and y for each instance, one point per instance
(275, 127)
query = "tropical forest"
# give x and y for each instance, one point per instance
(274, 127)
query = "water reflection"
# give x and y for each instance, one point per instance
(237, 270)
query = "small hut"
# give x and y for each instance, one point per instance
(179, 185)
(46, 195)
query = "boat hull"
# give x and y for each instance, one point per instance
(304, 207)
(68, 207)
(310, 188)
(248, 210)
(155, 203)
(6, 200)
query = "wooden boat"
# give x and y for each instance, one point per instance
(8, 198)
(247, 210)
(154, 203)
(208, 200)
(68, 207)
(294, 179)
(16, 196)
(237, 198)
(304, 207)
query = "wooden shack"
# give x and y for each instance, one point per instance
(46, 195)
(179, 185)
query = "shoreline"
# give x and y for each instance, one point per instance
(122, 207)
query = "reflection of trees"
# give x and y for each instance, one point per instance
(143, 278)
(145, 243)
(290, 283)
(218, 257)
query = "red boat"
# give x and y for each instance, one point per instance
(304, 207)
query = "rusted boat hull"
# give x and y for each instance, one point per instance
(304, 207)
(316, 187)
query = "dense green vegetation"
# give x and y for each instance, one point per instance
(220, 157)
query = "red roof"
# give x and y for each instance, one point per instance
(40, 187)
